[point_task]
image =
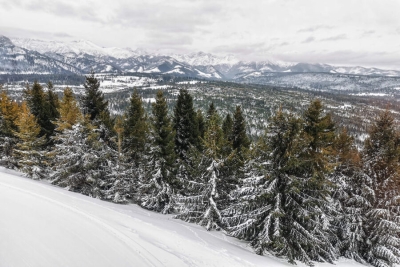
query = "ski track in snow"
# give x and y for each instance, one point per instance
(43, 225)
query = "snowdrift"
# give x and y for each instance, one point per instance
(42, 225)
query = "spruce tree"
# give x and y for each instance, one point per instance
(121, 180)
(201, 123)
(9, 112)
(135, 130)
(68, 110)
(207, 189)
(28, 151)
(43, 106)
(239, 137)
(227, 127)
(353, 196)
(281, 208)
(381, 161)
(83, 161)
(93, 102)
(185, 125)
(157, 189)
(211, 111)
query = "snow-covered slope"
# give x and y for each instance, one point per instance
(42, 225)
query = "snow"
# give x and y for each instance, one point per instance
(43, 225)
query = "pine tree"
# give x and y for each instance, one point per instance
(83, 161)
(354, 197)
(157, 189)
(28, 151)
(52, 106)
(227, 127)
(201, 123)
(185, 125)
(240, 140)
(211, 111)
(68, 110)
(43, 106)
(381, 161)
(93, 102)
(9, 111)
(206, 187)
(282, 209)
(135, 129)
(122, 180)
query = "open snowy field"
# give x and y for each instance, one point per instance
(42, 225)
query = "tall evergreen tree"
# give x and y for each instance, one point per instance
(9, 112)
(227, 127)
(83, 161)
(135, 129)
(28, 151)
(208, 190)
(211, 111)
(68, 110)
(284, 211)
(185, 125)
(239, 136)
(93, 102)
(157, 189)
(381, 161)
(354, 198)
(43, 106)
(201, 122)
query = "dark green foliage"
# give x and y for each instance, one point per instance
(43, 105)
(185, 125)
(281, 208)
(209, 188)
(239, 137)
(227, 127)
(381, 162)
(201, 123)
(135, 129)
(211, 111)
(93, 103)
(353, 197)
(157, 188)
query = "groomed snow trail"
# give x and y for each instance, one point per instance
(46, 226)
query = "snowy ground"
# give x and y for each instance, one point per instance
(42, 225)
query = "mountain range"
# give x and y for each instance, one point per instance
(32, 56)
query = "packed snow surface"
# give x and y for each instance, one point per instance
(46, 226)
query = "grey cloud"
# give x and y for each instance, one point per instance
(308, 40)
(335, 38)
(169, 17)
(244, 49)
(315, 28)
(22, 33)
(368, 33)
(84, 10)
(380, 59)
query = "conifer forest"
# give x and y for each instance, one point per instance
(302, 189)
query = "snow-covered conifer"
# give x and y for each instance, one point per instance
(82, 160)
(283, 203)
(381, 162)
(29, 151)
(208, 189)
(157, 188)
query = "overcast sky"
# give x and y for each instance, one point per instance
(341, 32)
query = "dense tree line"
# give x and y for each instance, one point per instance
(302, 191)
